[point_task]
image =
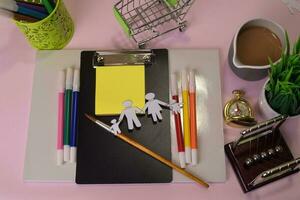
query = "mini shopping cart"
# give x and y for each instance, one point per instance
(144, 20)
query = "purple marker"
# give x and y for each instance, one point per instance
(32, 6)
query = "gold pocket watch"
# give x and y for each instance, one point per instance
(238, 111)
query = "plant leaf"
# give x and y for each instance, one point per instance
(298, 110)
(277, 101)
(283, 88)
(293, 105)
(284, 59)
(289, 74)
(276, 90)
(296, 79)
(287, 40)
(296, 49)
(284, 108)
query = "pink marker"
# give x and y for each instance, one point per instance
(60, 117)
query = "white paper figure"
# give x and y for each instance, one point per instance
(175, 107)
(115, 127)
(154, 106)
(130, 113)
(292, 4)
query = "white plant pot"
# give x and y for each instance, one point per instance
(265, 108)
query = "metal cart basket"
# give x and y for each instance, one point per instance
(144, 20)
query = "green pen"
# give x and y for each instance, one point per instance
(48, 6)
(67, 113)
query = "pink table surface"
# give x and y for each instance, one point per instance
(212, 25)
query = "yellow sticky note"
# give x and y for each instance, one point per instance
(115, 84)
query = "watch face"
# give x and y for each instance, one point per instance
(238, 109)
(238, 112)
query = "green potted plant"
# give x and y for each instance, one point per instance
(281, 92)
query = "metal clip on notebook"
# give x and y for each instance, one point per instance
(123, 58)
(260, 155)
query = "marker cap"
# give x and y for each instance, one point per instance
(69, 78)
(9, 5)
(188, 158)
(184, 80)
(173, 85)
(73, 153)
(6, 13)
(66, 153)
(60, 157)
(194, 157)
(182, 159)
(192, 84)
(76, 80)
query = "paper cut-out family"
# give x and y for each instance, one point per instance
(292, 5)
(130, 113)
(115, 127)
(153, 107)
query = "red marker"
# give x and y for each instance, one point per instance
(177, 119)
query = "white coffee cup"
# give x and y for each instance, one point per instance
(251, 72)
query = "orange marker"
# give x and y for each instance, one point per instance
(193, 117)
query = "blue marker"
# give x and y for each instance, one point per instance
(32, 6)
(12, 6)
(74, 116)
(31, 13)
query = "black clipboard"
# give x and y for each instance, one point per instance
(104, 159)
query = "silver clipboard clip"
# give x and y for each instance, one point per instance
(113, 58)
